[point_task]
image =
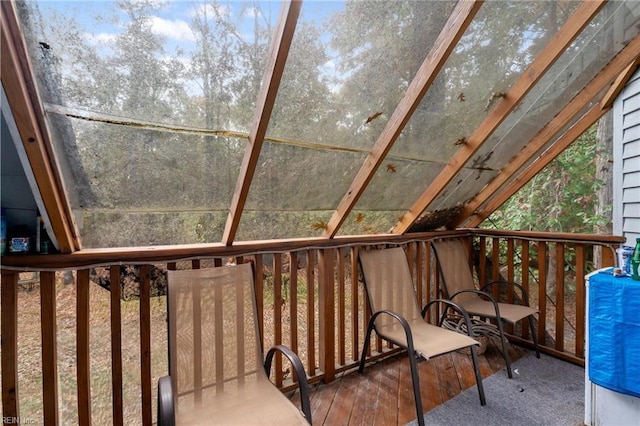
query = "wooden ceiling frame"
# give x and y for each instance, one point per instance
(554, 49)
(454, 29)
(26, 107)
(629, 57)
(276, 62)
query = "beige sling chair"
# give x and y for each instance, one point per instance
(459, 286)
(397, 318)
(216, 370)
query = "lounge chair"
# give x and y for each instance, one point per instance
(460, 287)
(217, 373)
(397, 318)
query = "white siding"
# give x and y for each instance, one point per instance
(626, 162)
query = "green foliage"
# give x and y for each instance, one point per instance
(560, 198)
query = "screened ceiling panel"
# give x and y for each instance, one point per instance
(545, 149)
(473, 183)
(397, 184)
(500, 43)
(489, 58)
(294, 187)
(171, 63)
(591, 51)
(366, 222)
(154, 170)
(299, 178)
(466, 185)
(149, 181)
(265, 225)
(330, 93)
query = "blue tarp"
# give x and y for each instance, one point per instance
(614, 333)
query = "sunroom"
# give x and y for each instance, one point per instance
(146, 136)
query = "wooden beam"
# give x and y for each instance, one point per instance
(534, 168)
(326, 313)
(49, 332)
(630, 53)
(453, 30)
(264, 106)
(26, 107)
(83, 356)
(9, 344)
(116, 346)
(558, 44)
(146, 385)
(618, 85)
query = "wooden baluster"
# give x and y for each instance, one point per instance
(542, 291)
(49, 348)
(495, 259)
(355, 308)
(82, 347)
(525, 279)
(277, 313)
(342, 335)
(311, 341)
(293, 300)
(510, 268)
(580, 300)
(116, 346)
(145, 345)
(326, 310)
(258, 283)
(482, 261)
(420, 248)
(510, 277)
(560, 296)
(9, 344)
(196, 319)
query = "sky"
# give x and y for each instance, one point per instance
(173, 16)
(101, 21)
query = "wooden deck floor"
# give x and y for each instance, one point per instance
(383, 395)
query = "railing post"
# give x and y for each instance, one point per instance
(580, 300)
(83, 331)
(326, 305)
(145, 344)
(116, 347)
(49, 348)
(9, 344)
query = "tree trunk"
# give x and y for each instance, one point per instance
(604, 174)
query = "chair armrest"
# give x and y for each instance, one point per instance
(524, 294)
(454, 306)
(403, 322)
(166, 408)
(303, 384)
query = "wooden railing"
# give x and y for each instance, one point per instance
(307, 298)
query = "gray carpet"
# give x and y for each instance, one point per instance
(545, 391)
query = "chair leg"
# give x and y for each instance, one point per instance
(365, 347)
(534, 336)
(476, 368)
(416, 386)
(505, 354)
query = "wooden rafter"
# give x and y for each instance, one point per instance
(264, 106)
(453, 30)
(558, 44)
(618, 85)
(631, 53)
(26, 106)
